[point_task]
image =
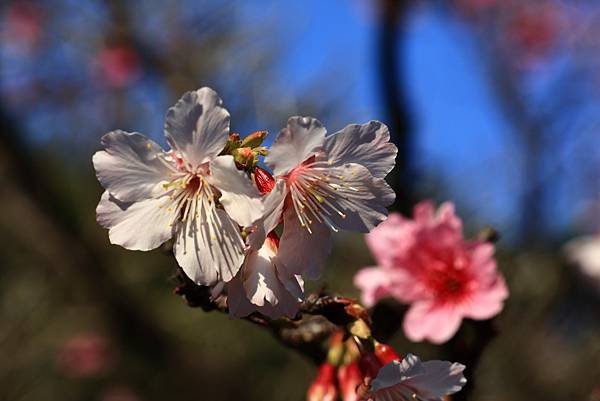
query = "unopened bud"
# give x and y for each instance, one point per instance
(323, 387)
(369, 364)
(264, 180)
(254, 139)
(349, 379)
(360, 329)
(357, 311)
(233, 142)
(244, 157)
(386, 354)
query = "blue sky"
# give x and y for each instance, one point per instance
(463, 143)
(461, 136)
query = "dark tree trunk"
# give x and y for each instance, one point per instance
(392, 16)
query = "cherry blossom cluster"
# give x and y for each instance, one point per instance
(254, 234)
(246, 232)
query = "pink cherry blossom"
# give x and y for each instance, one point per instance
(190, 193)
(426, 262)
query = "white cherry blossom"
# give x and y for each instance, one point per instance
(332, 182)
(188, 193)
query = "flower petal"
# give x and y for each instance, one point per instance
(391, 241)
(301, 252)
(374, 284)
(198, 126)
(131, 167)
(302, 138)
(260, 278)
(411, 378)
(428, 321)
(273, 203)
(368, 144)
(140, 226)
(208, 246)
(240, 306)
(239, 197)
(487, 302)
(362, 198)
(440, 378)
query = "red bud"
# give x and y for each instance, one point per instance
(349, 378)
(369, 365)
(323, 388)
(264, 180)
(386, 354)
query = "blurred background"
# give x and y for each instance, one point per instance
(494, 104)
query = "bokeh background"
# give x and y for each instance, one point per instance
(494, 104)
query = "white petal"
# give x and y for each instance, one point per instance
(239, 197)
(361, 197)
(140, 225)
(428, 380)
(131, 167)
(301, 252)
(368, 144)
(302, 138)
(260, 278)
(440, 378)
(273, 203)
(240, 306)
(198, 126)
(237, 302)
(209, 247)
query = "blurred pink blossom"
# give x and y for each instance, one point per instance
(85, 355)
(22, 25)
(120, 393)
(426, 262)
(118, 65)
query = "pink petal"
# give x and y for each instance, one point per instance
(374, 284)
(391, 240)
(487, 302)
(427, 321)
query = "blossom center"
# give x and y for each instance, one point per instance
(193, 184)
(319, 194)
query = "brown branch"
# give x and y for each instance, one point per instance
(307, 333)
